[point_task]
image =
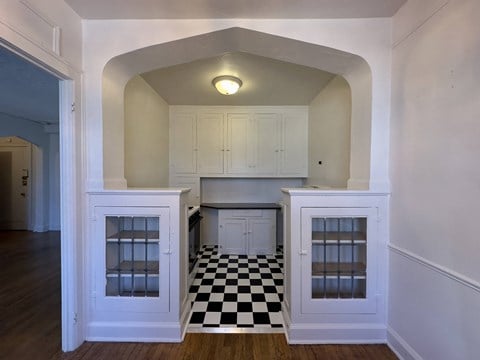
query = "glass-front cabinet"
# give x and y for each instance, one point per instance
(337, 261)
(132, 256)
(135, 256)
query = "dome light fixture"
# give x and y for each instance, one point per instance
(226, 84)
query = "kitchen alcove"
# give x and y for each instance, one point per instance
(138, 141)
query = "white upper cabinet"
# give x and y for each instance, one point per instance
(210, 143)
(240, 144)
(239, 141)
(183, 135)
(267, 143)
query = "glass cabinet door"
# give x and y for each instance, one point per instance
(339, 257)
(133, 257)
(337, 261)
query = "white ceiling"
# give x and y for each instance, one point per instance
(27, 91)
(208, 9)
(265, 81)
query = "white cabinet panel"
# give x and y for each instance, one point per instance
(267, 141)
(261, 236)
(210, 143)
(240, 138)
(184, 135)
(233, 233)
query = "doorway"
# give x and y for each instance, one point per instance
(30, 207)
(15, 171)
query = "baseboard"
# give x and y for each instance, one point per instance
(135, 332)
(400, 347)
(40, 228)
(336, 334)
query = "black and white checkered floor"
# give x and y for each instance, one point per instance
(237, 291)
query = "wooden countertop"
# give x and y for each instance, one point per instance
(241, 205)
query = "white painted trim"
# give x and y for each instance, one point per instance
(449, 273)
(337, 334)
(400, 347)
(71, 269)
(132, 331)
(71, 251)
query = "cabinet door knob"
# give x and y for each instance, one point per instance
(302, 252)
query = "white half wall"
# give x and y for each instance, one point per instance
(329, 135)
(146, 136)
(434, 295)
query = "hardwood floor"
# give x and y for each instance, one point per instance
(29, 295)
(30, 319)
(229, 347)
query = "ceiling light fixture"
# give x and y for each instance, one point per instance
(227, 85)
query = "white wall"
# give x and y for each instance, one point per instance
(146, 136)
(329, 135)
(434, 302)
(340, 46)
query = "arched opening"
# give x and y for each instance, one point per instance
(352, 68)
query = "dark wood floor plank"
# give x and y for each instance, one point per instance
(30, 319)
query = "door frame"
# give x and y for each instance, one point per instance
(71, 168)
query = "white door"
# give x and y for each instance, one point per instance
(210, 146)
(14, 178)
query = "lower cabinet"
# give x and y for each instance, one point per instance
(335, 266)
(247, 232)
(137, 266)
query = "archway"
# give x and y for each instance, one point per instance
(122, 68)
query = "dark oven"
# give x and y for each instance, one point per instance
(194, 219)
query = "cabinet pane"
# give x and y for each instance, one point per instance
(132, 256)
(339, 257)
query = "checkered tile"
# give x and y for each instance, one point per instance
(237, 290)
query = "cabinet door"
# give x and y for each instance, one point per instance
(210, 144)
(232, 236)
(184, 133)
(267, 143)
(294, 145)
(261, 234)
(338, 264)
(132, 250)
(240, 144)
